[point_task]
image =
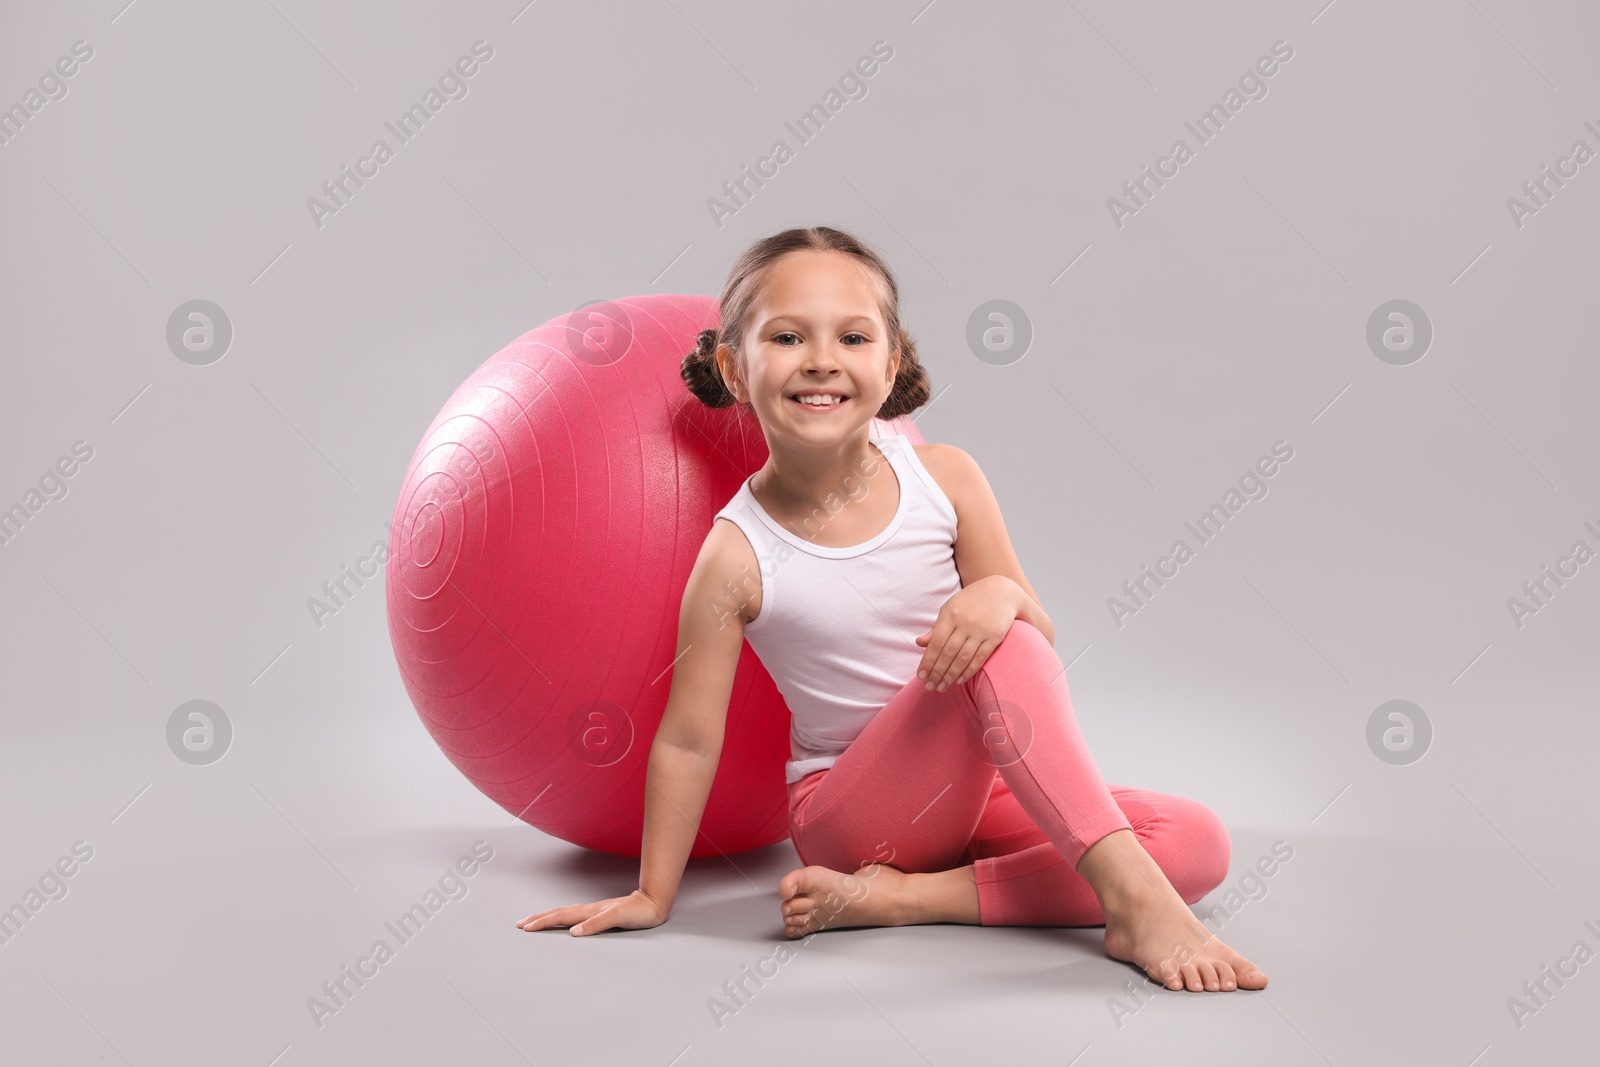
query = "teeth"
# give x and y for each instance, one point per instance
(819, 401)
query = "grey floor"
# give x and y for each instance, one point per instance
(218, 900)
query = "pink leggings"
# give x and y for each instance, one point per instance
(994, 772)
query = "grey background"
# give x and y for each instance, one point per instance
(1226, 315)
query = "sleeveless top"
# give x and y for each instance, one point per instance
(838, 626)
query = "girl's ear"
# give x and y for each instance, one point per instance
(727, 366)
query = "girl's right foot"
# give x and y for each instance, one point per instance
(817, 898)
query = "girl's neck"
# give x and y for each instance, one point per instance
(804, 480)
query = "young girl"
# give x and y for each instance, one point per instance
(938, 774)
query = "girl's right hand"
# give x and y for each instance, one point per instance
(636, 911)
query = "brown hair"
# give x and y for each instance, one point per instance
(699, 368)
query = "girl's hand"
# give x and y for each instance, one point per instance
(969, 626)
(636, 911)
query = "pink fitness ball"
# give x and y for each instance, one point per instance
(538, 554)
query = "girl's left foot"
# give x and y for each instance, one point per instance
(1155, 930)
(1149, 925)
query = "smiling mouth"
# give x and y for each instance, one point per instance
(821, 402)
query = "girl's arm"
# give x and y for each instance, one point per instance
(983, 548)
(688, 744)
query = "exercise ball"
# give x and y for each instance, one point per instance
(538, 554)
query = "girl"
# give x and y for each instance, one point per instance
(938, 774)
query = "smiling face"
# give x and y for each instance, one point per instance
(817, 362)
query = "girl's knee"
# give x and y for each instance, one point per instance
(1187, 839)
(1208, 847)
(1023, 645)
(1024, 633)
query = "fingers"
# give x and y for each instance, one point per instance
(605, 915)
(971, 661)
(935, 644)
(555, 917)
(939, 673)
(550, 917)
(969, 657)
(953, 656)
(955, 673)
(604, 919)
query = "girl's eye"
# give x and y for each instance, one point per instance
(779, 338)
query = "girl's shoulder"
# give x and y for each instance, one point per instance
(728, 568)
(952, 470)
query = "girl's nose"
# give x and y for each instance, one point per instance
(822, 357)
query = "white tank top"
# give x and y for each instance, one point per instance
(838, 626)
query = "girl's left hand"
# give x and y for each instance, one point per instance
(969, 626)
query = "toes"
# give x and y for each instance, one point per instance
(1247, 974)
(1166, 972)
(1225, 975)
(1191, 978)
(1208, 977)
(1252, 979)
(790, 883)
(796, 922)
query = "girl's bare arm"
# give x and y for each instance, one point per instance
(688, 745)
(983, 547)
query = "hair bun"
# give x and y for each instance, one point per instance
(701, 374)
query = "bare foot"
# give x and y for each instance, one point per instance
(1156, 930)
(1149, 925)
(819, 898)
